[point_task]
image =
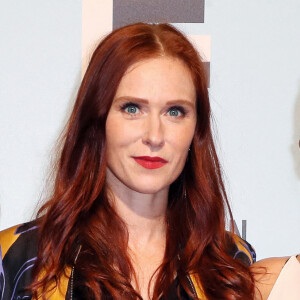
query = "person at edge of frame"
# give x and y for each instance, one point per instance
(278, 278)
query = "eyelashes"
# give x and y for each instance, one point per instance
(176, 111)
(130, 108)
(133, 109)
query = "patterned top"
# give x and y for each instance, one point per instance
(18, 253)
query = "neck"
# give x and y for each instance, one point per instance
(144, 214)
(145, 220)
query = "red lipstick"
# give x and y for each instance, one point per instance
(150, 162)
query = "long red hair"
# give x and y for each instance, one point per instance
(79, 210)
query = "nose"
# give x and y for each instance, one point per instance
(153, 133)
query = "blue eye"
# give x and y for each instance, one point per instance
(174, 112)
(131, 109)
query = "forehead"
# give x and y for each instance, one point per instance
(162, 77)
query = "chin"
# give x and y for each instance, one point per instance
(148, 189)
(145, 186)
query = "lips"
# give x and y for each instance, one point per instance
(150, 162)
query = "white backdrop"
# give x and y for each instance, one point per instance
(255, 93)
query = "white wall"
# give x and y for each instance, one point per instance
(40, 53)
(255, 92)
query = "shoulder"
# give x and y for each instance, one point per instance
(21, 234)
(273, 264)
(18, 250)
(266, 273)
(240, 249)
(18, 246)
(8, 237)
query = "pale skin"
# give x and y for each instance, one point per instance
(153, 114)
(266, 273)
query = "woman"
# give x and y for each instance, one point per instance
(278, 278)
(138, 206)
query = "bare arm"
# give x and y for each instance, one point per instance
(266, 272)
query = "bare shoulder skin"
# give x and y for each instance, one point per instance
(266, 272)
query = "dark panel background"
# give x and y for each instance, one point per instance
(158, 11)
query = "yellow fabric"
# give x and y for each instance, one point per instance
(240, 245)
(7, 238)
(198, 287)
(59, 292)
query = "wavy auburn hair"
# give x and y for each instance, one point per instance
(79, 211)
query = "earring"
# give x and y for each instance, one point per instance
(187, 157)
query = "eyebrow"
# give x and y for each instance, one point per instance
(145, 101)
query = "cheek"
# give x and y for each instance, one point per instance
(114, 133)
(181, 140)
(119, 133)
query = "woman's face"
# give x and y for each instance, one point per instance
(150, 125)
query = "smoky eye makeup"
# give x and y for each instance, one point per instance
(129, 103)
(130, 107)
(177, 111)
